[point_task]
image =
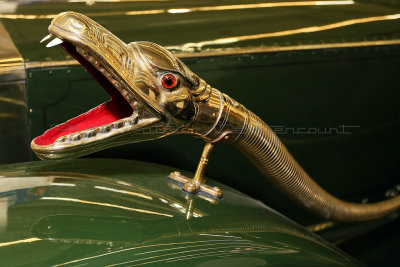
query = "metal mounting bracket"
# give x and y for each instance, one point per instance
(197, 183)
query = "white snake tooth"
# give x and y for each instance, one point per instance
(54, 42)
(47, 37)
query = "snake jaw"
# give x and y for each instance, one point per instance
(137, 110)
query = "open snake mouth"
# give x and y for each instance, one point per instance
(104, 126)
(101, 120)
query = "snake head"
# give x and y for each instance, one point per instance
(150, 91)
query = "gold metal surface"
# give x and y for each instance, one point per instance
(192, 107)
(194, 188)
(198, 176)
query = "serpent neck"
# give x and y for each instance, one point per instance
(221, 118)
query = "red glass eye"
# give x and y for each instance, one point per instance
(169, 81)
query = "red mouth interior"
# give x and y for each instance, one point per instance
(113, 110)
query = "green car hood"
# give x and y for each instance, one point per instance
(119, 212)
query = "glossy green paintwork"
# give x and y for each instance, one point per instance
(103, 212)
(313, 89)
(319, 90)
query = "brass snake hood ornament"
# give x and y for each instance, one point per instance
(155, 95)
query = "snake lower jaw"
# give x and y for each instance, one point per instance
(81, 143)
